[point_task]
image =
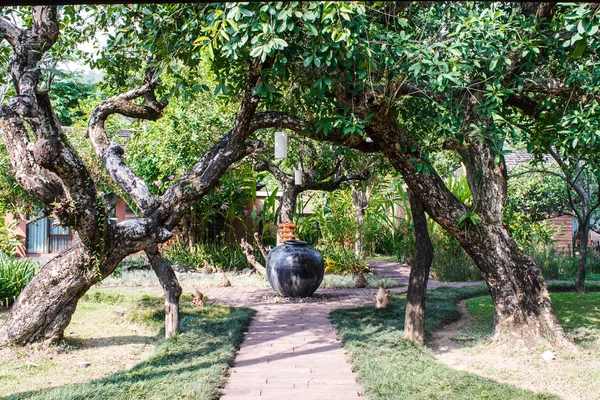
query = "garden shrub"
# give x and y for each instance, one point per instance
(225, 256)
(450, 262)
(555, 265)
(340, 260)
(8, 237)
(15, 274)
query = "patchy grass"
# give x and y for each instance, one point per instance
(579, 315)
(390, 367)
(572, 375)
(147, 278)
(142, 278)
(190, 365)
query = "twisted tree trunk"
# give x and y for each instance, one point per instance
(49, 169)
(44, 308)
(523, 309)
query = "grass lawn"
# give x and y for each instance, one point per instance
(189, 366)
(148, 278)
(391, 368)
(579, 315)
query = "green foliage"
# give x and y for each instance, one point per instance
(378, 352)
(13, 198)
(228, 257)
(268, 216)
(557, 265)
(537, 195)
(15, 274)
(342, 260)
(450, 262)
(66, 94)
(9, 241)
(526, 231)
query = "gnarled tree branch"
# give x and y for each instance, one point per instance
(121, 174)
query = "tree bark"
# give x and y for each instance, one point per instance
(414, 321)
(248, 251)
(49, 169)
(582, 233)
(360, 199)
(288, 200)
(44, 308)
(523, 309)
(171, 289)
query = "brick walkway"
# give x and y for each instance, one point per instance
(291, 351)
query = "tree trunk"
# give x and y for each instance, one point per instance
(192, 227)
(523, 309)
(185, 229)
(43, 309)
(288, 200)
(582, 232)
(361, 202)
(414, 321)
(171, 288)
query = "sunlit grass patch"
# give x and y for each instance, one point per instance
(190, 365)
(390, 367)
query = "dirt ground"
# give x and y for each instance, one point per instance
(98, 335)
(571, 375)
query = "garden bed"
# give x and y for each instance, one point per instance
(118, 335)
(143, 278)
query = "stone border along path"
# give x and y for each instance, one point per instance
(291, 351)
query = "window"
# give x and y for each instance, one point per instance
(42, 237)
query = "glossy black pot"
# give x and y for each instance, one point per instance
(295, 269)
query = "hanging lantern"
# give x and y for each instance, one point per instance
(281, 144)
(298, 177)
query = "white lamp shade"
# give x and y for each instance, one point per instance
(298, 177)
(281, 144)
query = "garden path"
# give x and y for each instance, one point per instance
(291, 349)
(401, 272)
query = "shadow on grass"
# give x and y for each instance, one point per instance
(390, 367)
(190, 365)
(90, 343)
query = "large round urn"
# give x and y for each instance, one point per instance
(295, 269)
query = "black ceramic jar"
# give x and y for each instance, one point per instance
(295, 269)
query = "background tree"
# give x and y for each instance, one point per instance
(398, 80)
(321, 169)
